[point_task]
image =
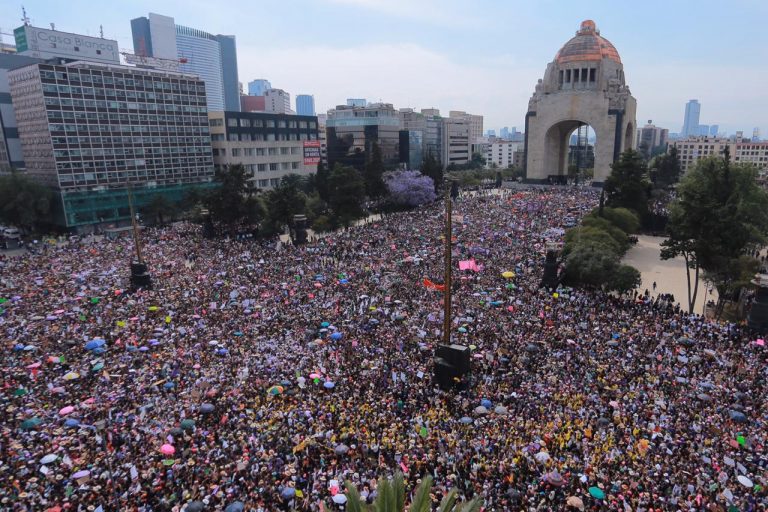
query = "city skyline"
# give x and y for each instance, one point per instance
(449, 57)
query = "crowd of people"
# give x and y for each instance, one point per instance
(262, 376)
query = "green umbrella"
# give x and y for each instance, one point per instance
(94, 300)
(168, 462)
(596, 492)
(30, 423)
(187, 424)
(98, 366)
(3, 300)
(20, 392)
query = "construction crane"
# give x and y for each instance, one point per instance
(143, 61)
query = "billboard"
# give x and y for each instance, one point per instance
(311, 152)
(43, 43)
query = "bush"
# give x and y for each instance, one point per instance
(592, 237)
(589, 265)
(323, 223)
(623, 218)
(624, 279)
(604, 225)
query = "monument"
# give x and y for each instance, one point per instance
(584, 84)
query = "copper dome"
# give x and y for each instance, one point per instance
(588, 45)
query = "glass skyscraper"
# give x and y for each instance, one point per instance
(691, 122)
(258, 87)
(305, 105)
(212, 57)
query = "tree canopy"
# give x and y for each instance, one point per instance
(346, 190)
(409, 188)
(24, 203)
(628, 185)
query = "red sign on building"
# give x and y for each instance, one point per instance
(311, 152)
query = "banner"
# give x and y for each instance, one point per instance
(311, 152)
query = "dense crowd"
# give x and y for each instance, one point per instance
(262, 376)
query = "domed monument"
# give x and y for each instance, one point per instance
(584, 85)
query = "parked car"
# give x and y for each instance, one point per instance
(11, 238)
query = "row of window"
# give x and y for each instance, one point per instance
(107, 152)
(119, 80)
(577, 75)
(264, 123)
(269, 137)
(261, 151)
(57, 103)
(116, 128)
(102, 118)
(118, 93)
(281, 166)
(85, 141)
(198, 165)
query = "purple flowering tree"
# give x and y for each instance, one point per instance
(409, 188)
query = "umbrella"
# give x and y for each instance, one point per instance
(48, 458)
(466, 420)
(746, 482)
(575, 502)
(195, 506)
(97, 367)
(336, 336)
(94, 344)
(315, 376)
(682, 359)
(500, 409)
(34, 365)
(531, 348)
(737, 416)
(555, 479)
(276, 390)
(66, 410)
(167, 449)
(81, 474)
(71, 423)
(688, 342)
(206, 408)
(176, 431)
(341, 449)
(704, 397)
(486, 403)
(325, 324)
(237, 506)
(481, 410)
(596, 492)
(508, 274)
(329, 385)
(187, 424)
(541, 457)
(288, 493)
(613, 343)
(30, 423)
(603, 422)
(169, 385)
(339, 499)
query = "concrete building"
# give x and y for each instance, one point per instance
(584, 84)
(253, 104)
(475, 123)
(692, 149)
(305, 105)
(650, 137)
(691, 120)
(91, 130)
(269, 146)
(258, 87)
(43, 43)
(756, 135)
(456, 141)
(501, 153)
(277, 101)
(352, 131)
(212, 57)
(11, 155)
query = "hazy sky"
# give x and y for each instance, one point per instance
(481, 56)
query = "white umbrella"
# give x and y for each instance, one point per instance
(746, 482)
(339, 499)
(48, 458)
(541, 457)
(481, 410)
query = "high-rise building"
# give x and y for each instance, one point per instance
(504, 133)
(756, 135)
(269, 146)
(305, 105)
(258, 87)
(277, 101)
(703, 130)
(713, 129)
(92, 130)
(475, 123)
(456, 140)
(11, 155)
(692, 149)
(356, 102)
(650, 137)
(212, 57)
(433, 133)
(43, 43)
(691, 122)
(501, 153)
(352, 131)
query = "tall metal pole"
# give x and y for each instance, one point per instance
(136, 240)
(448, 268)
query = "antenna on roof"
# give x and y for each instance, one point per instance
(24, 17)
(53, 26)
(101, 31)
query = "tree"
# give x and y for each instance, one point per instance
(373, 173)
(622, 218)
(24, 203)
(285, 201)
(720, 213)
(390, 497)
(228, 203)
(590, 265)
(625, 278)
(431, 167)
(159, 209)
(628, 185)
(667, 169)
(409, 188)
(346, 190)
(321, 180)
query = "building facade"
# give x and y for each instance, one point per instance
(43, 43)
(305, 105)
(456, 144)
(475, 123)
(258, 87)
(433, 134)
(252, 104)
(277, 101)
(269, 146)
(90, 131)
(352, 131)
(691, 120)
(501, 153)
(650, 137)
(11, 155)
(212, 57)
(692, 149)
